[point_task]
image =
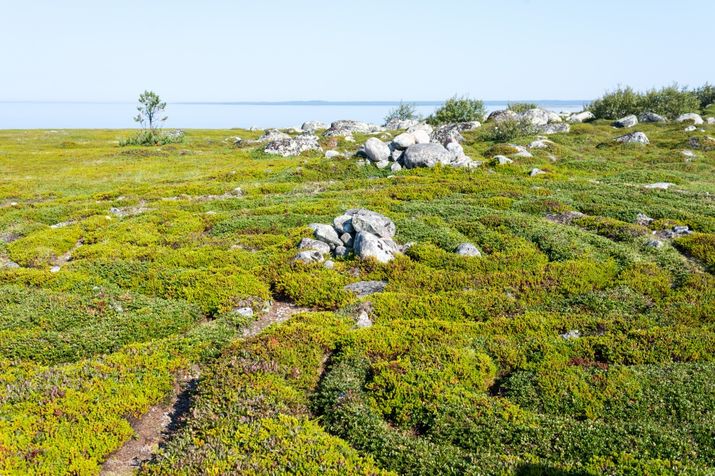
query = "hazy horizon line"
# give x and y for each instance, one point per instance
(315, 102)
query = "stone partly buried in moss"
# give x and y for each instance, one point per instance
(292, 146)
(363, 232)
(633, 138)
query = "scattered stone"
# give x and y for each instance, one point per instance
(541, 144)
(585, 116)
(309, 257)
(659, 185)
(331, 154)
(293, 146)
(376, 150)
(710, 120)
(571, 335)
(627, 121)
(467, 249)
(564, 218)
(271, 135)
(691, 116)
(425, 155)
(643, 219)
(633, 138)
(554, 128)
(372, 222)
(395, 167)
(705, 143)
(313, 126)
(244, 311)
(688, 153)
(654, 243)
(502, 160)
(55, 269)
(368, 245)
(521, 151)
(315, 245)
(363, 320)
(330, 264)
(326, 234)
(681, 230)
(366, 288)
(447, 133)
(690, 129)
(534, 172)
(398, 124)
(383, 164)
(347, 128)
(237, 141)
(651, 117)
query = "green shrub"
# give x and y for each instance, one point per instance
(700, 246)
(615, 104)
(149, 137)
(522, 106)
(508, 130)
(458, 109)
(669, 101)
(402, 112)
(706, 95)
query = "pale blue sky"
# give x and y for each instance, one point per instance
(220, 50)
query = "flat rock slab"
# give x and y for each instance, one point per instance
(366, 288)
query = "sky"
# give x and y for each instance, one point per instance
(278, 50)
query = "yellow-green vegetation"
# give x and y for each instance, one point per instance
(573, 345)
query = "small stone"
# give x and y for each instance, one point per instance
(467, 249)
(659, 186)
(628, 121)
(655, 243)
(341, 252)
(331, 154)
(363, 320)
(244, 311)
(643, 219)
(690, 129)
(55, 269)
(633, 138)
(325, 233)
(315, 245)
(309, 257)
(681, 229)
(383, 164)
(330, 264)
(691, 116)
(502, 160)
(534, 172)
(572, 334)
(347, 240)
(366, 288)
(395, 167)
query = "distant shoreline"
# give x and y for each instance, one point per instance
(555, 102)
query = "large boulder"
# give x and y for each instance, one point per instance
(368, 246)
(346, 128)
(404, 140)
(584, 116)
(425, 155)
(271, 135)
(627, 121)
(376, 150)
(312, 126)
(535, 117)
(447, 133)
(651, 117)
(691, 116)
(293, 146)
(398, 124)
(502, 115)
(314, 245)
(372, 222)
(633, 138)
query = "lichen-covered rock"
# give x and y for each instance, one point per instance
(467, 249)
(369, 246)
(502, 160)
(312, 126)
(398, 124)
(651, 117)
(376, 150)
(447, 133)
(326, 234)
(372, 222)
(365, 288)
(633, 138)
(554, 128)
(271, 135)
(585, 116)
(404, 140)
(627, 121)
(309, 257)
(293, 146)
(502, 115)
(346, 128)
(425, 155)
(691, 116)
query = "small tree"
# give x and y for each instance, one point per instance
(458, 109)
(403, 112)
(150, 108)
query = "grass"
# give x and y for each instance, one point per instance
(465, 370)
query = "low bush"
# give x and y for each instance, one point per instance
(522, 106)
(669, 101)
(402, 112)
(458, 109)
(149, 137)
(508, 130)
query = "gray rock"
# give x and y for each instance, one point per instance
(344, 223)
(403, 140)
(554, 128)
(572, 334)
(535, 117)
(326, 234)
(363, 320)
(366, 288)
(347, 128)
(421, 136)
(312, 126)
(315, 245)
(681, 230)
(654, 243)
(585, 116)
(369, 246)
(447, 133)
(383, 164)
(424, 127)
(331, 154)
(690, 129)
(341, 252)
(659, 186)
(643, 219)
(541, 144)
(376, 150)
(398, 124)
(710, 120)
(502, 115)
(628, 121)
(271, 135)
(244, 311)
(688, 153)
(292, 147)
(425, 155)
(521, 151)
(330, 264)
(364, 220)
(347, 240)
(309, 257)
(395, 167)
(633, 138)
(467, 249)
(534, 172)
(397, 154)
(502, 160)
(651, 117)
(691, 116)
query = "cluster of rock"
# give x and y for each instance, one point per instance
(422, 146)
(346, 128)
(543, 121)
(365, 233)
(292, 146)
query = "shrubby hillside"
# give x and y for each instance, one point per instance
(580, 339)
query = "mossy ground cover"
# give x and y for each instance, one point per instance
(466, 369)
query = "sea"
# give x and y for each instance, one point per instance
(222, 115)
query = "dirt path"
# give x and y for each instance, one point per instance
(155, 426)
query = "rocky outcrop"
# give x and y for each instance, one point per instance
(291, 147)
(633, 138)
(312, 126)
(691, 116)
(271, 135)
(365, 233)
(585, 116)
(348, 128)
(627, 121)
(447, 133)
